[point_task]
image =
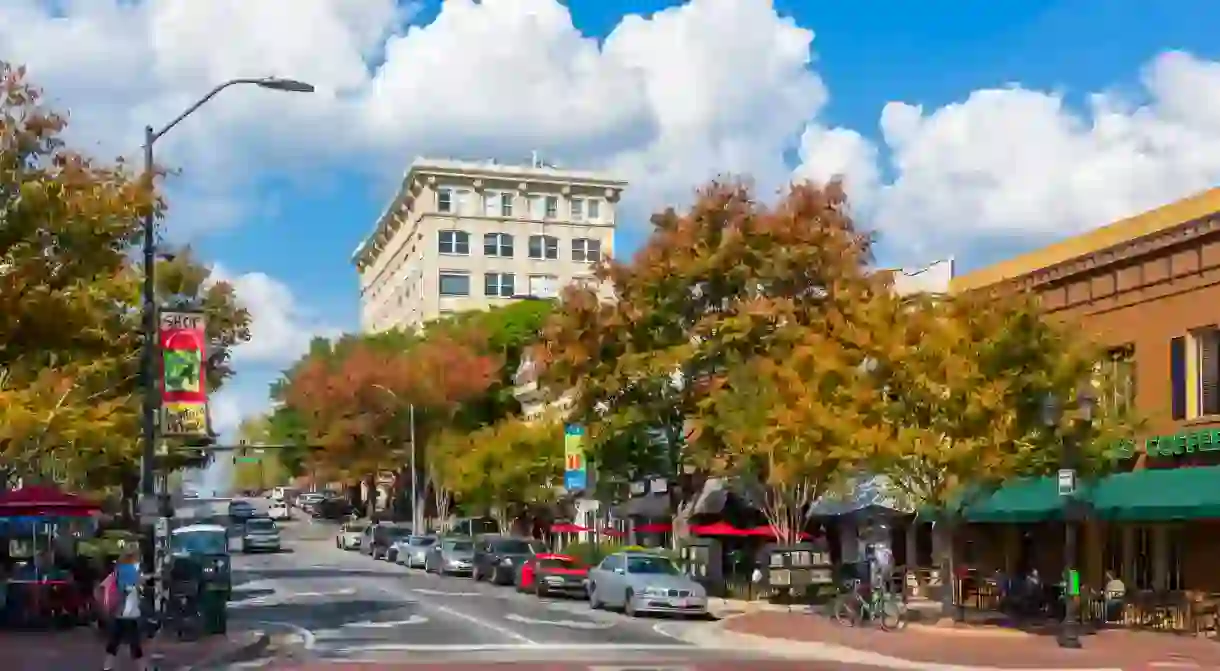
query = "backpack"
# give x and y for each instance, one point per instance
(107, 594)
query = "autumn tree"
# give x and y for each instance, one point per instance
(967, 378)
(711, 286)
(801, 418)
(70, 302)
(504, 469)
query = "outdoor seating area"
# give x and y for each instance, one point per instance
(45, 580)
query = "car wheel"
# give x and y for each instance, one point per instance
(594, 602)
(629, 604)
(539, 590)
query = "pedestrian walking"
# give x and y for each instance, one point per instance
(121, 597)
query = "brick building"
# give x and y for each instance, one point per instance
(1148, 289)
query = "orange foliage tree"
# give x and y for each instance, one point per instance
(718, 285)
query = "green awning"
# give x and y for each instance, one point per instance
(1159, 495)
(1028, 500)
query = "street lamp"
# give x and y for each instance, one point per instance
(416, 521)
(148, 368)
(1052, 413)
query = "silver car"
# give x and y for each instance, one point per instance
(640, 582)
(413, 551)
(260, 534)
(450, 556)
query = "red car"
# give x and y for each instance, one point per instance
(545, 574)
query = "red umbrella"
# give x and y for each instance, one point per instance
(655, 528)
(610, 531)
(567, 528)
(39, 501)
(718, 529)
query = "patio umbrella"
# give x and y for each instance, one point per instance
(768, 531)
(45, 501)
(567, 528)
(655, 528)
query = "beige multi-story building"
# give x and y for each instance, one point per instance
(464, 235)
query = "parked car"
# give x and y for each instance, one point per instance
(279, 512)
(384, 535)
(496, 558)
(412, 551)
(260, 534)
(450, 556)
(640, 582)
(240, 511)
(545, 574)
(350, 535)
(306, 501)
(332, 508)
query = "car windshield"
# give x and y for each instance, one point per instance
(200, 542)
(651, 566)
(353, 526)
(397, 532)
(515, 547)
(555, 562)
(461, 546)
(260, 525)
(421, 541)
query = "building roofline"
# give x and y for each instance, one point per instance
(490, 169)
(1124, 230)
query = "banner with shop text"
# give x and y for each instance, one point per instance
(184, 393)
(575, 472)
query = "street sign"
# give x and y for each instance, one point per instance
(1067, 482)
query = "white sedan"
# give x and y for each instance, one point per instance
(279, 512)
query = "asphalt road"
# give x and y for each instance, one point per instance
(340, 607)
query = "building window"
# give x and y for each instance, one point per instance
(506, 204)
(498, 244)
(1206, 379)
(1117, 376)
(454, 284)
(444, 200)
(543, 286)
(498, 285)
(454, 242)
(595, 209)
(577, 206)
(552, 207)
(585, 249)
(544, 247)
(1141, 563)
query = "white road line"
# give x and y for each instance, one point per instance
(532, 647)
(347, 591)
(437, 592)
(570, 624)
(507, 633)
(414, 619)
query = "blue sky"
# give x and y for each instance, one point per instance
(972, 129)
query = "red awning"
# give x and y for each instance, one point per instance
(567, 528)
(719, 529)
(655, 528)
(38, 501)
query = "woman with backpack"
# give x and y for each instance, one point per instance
(121, 600)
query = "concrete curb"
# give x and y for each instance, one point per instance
(258, 643)
(716, 636)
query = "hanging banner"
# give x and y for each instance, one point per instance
(184, 394)
(575, 476)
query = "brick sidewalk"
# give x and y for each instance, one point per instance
(81, 649)
(976, 646)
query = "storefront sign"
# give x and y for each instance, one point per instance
(184, 394)
(575, 475)
(1178, 444)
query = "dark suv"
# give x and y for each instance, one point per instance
(497, 558)
(384, 535)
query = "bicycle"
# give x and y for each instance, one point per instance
(851, 607)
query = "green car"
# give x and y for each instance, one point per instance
(208, 544)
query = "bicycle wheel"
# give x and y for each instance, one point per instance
(846, 612)
(892, 614)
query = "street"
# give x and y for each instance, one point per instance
(334, 607)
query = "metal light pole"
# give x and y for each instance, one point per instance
(416, 520)
(1069, 632)
(148, 369)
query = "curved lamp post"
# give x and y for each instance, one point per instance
(148, 371)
